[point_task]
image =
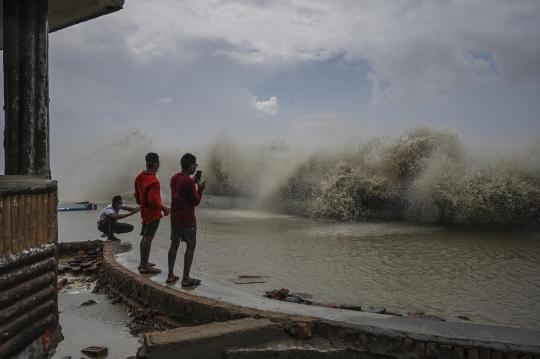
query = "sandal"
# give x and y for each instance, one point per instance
(152, 270)
(175, 278)
(150, 264)
(192, 281)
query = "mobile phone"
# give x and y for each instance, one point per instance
(198, 175)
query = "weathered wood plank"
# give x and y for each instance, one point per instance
(16, 246)
(39, 221)
(33, 225)
(51, 220)
(6, 235)
(20, 218)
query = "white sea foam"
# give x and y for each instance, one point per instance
(421, 174)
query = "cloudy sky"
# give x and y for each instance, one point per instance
(182, 70)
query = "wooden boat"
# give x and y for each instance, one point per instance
(82, 206)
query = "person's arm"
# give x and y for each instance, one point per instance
(195, 195)
(120, 216)
(136, 194)
(131, 209)
(154, 198)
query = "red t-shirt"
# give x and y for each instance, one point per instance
(148, 196)
(184, 198)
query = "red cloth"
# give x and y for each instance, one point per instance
(184, 198)
(148, 196)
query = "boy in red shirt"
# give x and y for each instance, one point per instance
(148, 197)
(185, 197)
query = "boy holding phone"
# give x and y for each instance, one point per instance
(185, 196)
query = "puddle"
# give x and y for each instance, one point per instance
(103, 324)
(123, 247)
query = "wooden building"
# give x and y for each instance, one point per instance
(28, 196)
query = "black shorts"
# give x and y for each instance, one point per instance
(150, 229)
(186, 234)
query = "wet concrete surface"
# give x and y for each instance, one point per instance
(513, 338)
(102, 324)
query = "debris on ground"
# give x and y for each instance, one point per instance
(95, 351)
(85, 261)
(375, 310)
(250, 279)
(284, 295)
(62, 268)
(62, 283)
(349, 306)
(87, 303)
(80, 271)
(422, 315)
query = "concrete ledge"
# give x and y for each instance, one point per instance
(368, 335)
(191, 309)
(208, 341)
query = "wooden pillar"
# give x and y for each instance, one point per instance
(26, 88)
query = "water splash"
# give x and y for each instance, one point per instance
(423, 174)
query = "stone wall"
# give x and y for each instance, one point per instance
(73, 247)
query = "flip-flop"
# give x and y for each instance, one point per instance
(175, 278)
(192, 281)
(152, 270)
(150, 264)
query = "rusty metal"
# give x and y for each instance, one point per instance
(26, 335)
(25, 273)
(23, 290)
(15, 309)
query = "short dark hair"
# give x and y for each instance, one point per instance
(151, 158)
(187, 160)
(116, 199)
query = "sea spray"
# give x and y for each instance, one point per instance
(110, 168)
(423, 174)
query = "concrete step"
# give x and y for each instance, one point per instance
(210, 340)
(296, 353)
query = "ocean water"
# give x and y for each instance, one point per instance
(485, 275)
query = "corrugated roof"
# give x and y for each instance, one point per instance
(65, 13)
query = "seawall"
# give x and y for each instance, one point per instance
(351, 334)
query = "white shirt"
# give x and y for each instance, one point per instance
(108, 210)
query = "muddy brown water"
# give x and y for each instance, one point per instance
(488, 276)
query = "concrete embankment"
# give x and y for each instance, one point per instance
(338, 333)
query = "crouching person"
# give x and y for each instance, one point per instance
(108, 219)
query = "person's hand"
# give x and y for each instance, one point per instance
(133, 211)
(166, 211)
(202, 184)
